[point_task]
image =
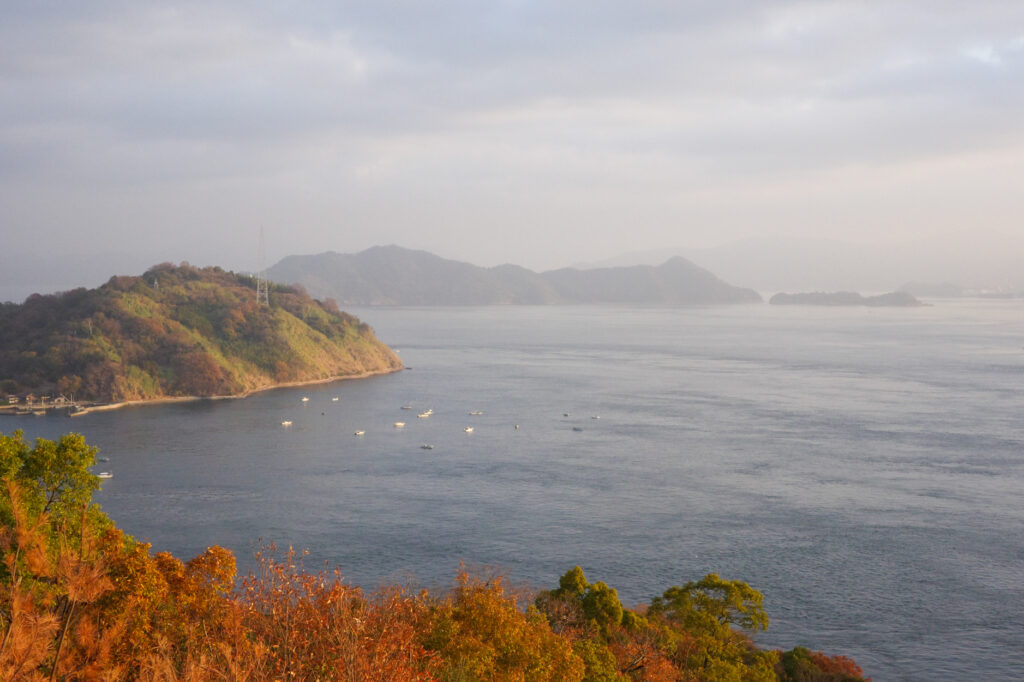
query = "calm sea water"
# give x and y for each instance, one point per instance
(863, 468)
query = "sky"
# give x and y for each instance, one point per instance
(540, 133)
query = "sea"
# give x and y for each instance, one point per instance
(862, 467)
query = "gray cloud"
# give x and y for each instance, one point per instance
(481, 130)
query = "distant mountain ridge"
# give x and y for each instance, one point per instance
(990, 263)
(392, 275)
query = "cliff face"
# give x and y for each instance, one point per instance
(179, 331)
(390, 275)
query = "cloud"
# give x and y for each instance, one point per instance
(400, 118)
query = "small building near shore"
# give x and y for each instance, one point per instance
(13, 400)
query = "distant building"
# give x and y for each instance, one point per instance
(13, 400)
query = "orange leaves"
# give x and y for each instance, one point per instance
(28, 638)
(479, 631)
(836, 665)
(799, 663)
(314, 626)
(84, 580)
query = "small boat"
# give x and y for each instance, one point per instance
(103, 459)
(334, 399)
(594, 416)
(406, 407)
(517, 427)
(399, 425)
(468, 429)
(424, 415)
(565, 414)
(476, 413)
(577, 428)
(104, 474)
(286, 422)
(305, 399)
(359, 433)
(425, 446)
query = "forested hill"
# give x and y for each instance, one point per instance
(179, 331)
(391, 275)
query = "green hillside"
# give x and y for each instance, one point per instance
(179, 331)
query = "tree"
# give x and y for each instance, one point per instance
(60, 470)
(703, 613)
(480, 633)
(711, 604)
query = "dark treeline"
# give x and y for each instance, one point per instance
(81, 600)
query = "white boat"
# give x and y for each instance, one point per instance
(359, 433)
(406, 407)
(468, 429)
(399, 425)
(334, 399)
(305, 399)
(476, 413)
(594, 416)
(286, 422)
(424, 415)
(104, 474)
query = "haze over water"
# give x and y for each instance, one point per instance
(861, 467)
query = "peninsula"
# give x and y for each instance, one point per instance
(177, 332)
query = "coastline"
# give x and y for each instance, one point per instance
(105, 407)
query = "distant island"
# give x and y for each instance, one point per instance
(847, 298)
(391, 275)
(947, 290)
(176, 332)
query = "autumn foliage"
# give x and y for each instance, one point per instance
(178, 331)
(80, 600)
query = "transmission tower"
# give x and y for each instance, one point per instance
(262, 293)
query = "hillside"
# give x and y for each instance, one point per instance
(391, 275)
(133, 615)
(179, 331)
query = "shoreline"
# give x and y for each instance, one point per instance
(106, 407)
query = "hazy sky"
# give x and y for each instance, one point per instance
(540, 133)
